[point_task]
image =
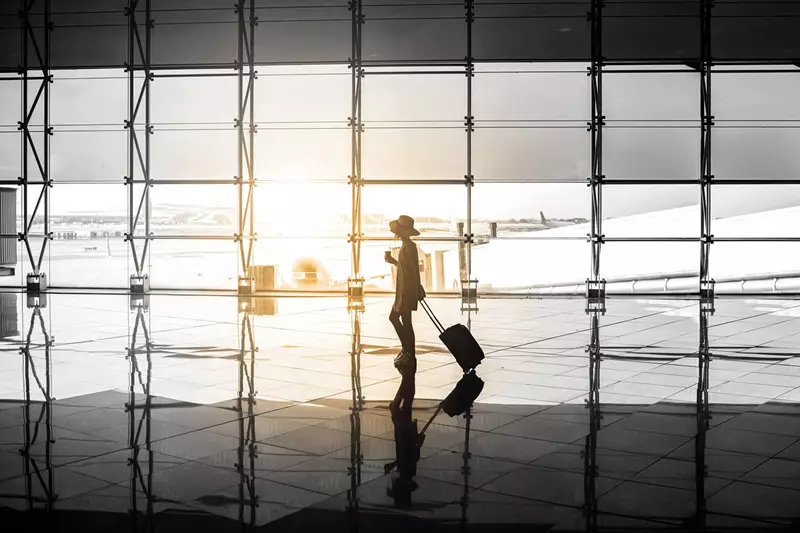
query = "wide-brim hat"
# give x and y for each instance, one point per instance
(403, 226)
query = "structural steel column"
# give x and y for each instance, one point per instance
(36, 50)
(706, 125)
(469, 300)
(596, 128)
(355, 285)
(245, 156)
(469, 122)
(139, 58)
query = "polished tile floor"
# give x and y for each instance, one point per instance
(209, 413)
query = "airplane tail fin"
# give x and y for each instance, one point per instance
(543, 219)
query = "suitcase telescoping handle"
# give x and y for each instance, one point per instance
(430, 314)
(430, 420)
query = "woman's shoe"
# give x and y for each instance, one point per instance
(404, 360)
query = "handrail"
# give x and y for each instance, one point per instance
(671, 281)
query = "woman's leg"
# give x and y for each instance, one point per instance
(399, 327)
(411, 340)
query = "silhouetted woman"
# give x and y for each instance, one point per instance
(408, 291)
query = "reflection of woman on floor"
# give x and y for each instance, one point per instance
(407, 443)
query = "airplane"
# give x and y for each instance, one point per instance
(557, 223)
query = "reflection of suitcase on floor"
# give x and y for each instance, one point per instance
(463, 396)
(459, 341)
(457, 402)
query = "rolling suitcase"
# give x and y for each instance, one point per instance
(459, 341)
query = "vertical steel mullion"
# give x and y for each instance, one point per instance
(252, 150)
(148, 132)
(27, 111)
(596, 128)
(706, 124)
(131, 12)
(240, 136)
(469, 70)
(356, 127)
(23, 126)
(469, 179)
(46, 136)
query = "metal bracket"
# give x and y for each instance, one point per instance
(139, 301)
(596, 296)
(469, 124)
(355, 294)
(139, 284)
(36, 300)
(246, 285)
(707, 296)
(36, 283)
(469, 295)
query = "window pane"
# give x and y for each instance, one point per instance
(755, 210)
(736, 261)
(194, 210)
(303, 210)
(413, 153)
(96, 98)
(193, 264)
(88, 155)
(527, 210)
(755, 134)
(761, 150)
(638, 260)
(502, 152)
(755, 96)
(10, 162)
(95, 258)
(192, 154)
(529, 94)
(10, 94)
(517, 265)
(201, 99)
(433, 32)
(308, 94)
(435, 208)
(631, 151)
(88, 223)
(651, 211)
(306, 263)
(652, 97)
(413, 97)
(311, 152)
